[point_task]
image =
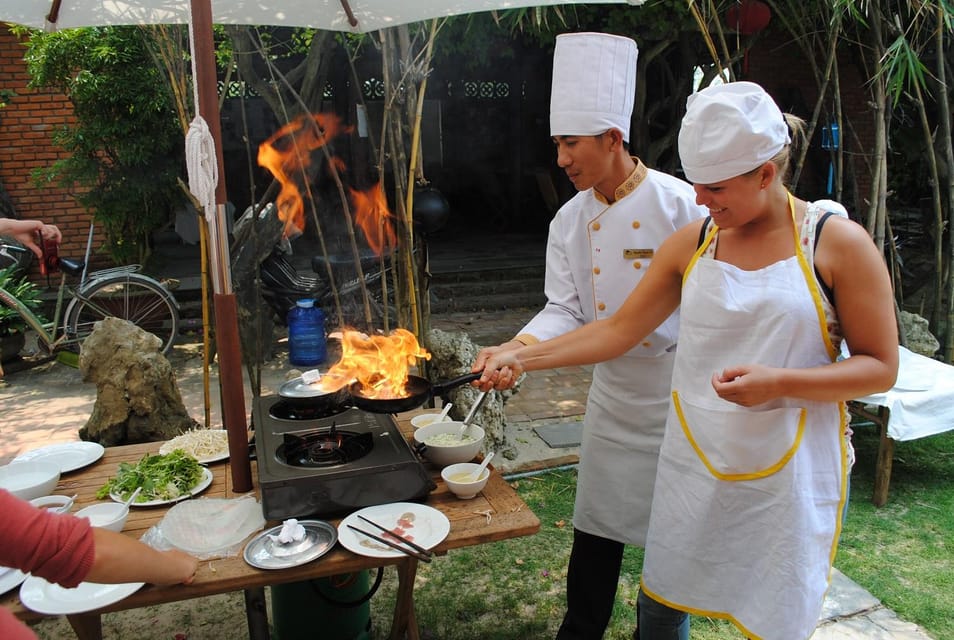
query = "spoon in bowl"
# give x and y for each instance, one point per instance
(475, 474)
(443, 415)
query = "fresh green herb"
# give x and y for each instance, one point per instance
(162, 477)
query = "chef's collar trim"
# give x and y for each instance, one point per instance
(630, 184)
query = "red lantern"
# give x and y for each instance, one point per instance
(748, 16)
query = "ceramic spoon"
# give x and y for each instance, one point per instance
(475, 475)
(443, 416)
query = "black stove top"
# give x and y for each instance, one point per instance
(332, 464)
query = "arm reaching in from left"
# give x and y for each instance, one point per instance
(24, 232)
(119, 558)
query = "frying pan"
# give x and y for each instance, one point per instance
(300, 395)
(419, 390)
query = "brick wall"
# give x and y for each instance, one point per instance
(26, 125)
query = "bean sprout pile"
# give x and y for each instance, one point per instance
(201, 444)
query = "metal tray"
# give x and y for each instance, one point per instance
(264, 553)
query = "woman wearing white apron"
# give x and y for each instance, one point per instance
(752, 471)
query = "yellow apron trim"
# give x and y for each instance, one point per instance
(699, 252)
(722, 615)
(843, 444)
(736, 477)
(809, 274)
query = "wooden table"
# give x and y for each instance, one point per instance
(497, 513)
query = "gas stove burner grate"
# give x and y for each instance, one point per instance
(284, 410)
(324, 448)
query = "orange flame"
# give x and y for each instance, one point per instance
(372, 215)
(380, 363)
(287, 154)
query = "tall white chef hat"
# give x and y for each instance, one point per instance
(729, 130)
(594, 84)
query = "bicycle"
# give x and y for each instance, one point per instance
(119, 292)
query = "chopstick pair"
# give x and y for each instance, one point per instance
(416, 550)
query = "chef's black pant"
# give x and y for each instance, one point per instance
(591, 580)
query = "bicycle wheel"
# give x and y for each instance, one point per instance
(133, 297)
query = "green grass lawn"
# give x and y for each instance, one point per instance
(902, 553)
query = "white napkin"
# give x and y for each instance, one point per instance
(291, 532)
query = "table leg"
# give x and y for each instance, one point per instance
(87, 626)
(256, 614)
(405, 621)
(882, 478)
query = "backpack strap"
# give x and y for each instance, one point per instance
(828, 291)
(703, 230)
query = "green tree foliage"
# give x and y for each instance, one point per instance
(125, 145)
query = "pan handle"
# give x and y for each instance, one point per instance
(439, 388)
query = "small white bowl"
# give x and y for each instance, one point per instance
(107, 515)
(29, 479)
(56, 504)
(424, 419)
(445, 454)
(455, 474)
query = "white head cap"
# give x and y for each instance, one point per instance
(594, 84)
(729, 130)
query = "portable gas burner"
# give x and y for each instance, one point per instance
(314, 464)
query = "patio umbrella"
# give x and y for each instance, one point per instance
(203, 142)
(335, 15)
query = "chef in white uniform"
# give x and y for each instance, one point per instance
(752, 470)
(600, 244)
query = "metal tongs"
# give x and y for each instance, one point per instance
(470, 414)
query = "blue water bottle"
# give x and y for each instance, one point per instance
(306, 334)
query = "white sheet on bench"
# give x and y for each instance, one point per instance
(921, 401)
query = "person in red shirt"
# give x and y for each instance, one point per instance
(64, 549)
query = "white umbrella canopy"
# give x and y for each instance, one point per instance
(335, 15)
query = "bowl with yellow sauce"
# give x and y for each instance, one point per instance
(457, 477)
(424, 419)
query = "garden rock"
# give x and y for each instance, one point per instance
(137, 399)
(917, 335)
(452, 354)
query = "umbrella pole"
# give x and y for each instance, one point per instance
(228, 348)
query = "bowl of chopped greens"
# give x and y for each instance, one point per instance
(444, 443)
(164, 478)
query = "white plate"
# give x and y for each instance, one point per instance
(10, 578)
(169, 446)
(70, 456)
(203, 484)
(419, 523)
(52, 599)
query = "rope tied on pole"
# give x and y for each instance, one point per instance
(201, 165)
